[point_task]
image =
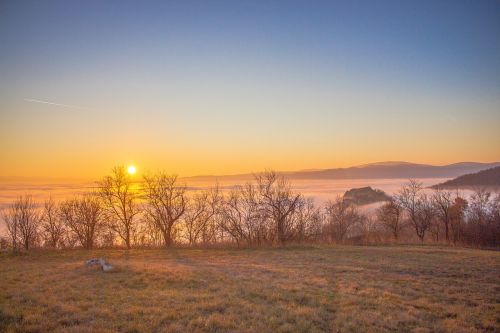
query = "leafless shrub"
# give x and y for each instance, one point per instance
(457, 219)
(278, 203)
(390, 217)
(494, 217)
(370, 230)
(200, 220)
(148, 234)
(22, 219)
(341, 216)
(84, 218)
(269, 212)
(52, 224)
(443, 201)
(308, 221)
(241, 216)
(482, 225)
(428, 213)
(418, 207)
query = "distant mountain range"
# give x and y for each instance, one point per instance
(381, 170)
(489, 178)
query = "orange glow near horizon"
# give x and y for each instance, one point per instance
(233, 145)
(194, 89)
(199, 164)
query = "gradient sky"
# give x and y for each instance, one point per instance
(218, 87)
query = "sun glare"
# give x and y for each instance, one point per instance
(131, 169)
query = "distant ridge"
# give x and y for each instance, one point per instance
(386, 163)
(488, 178)
(388, 170)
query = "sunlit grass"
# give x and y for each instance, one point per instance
(351, 289)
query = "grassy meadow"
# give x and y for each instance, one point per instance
(296, 289)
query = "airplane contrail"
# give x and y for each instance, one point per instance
(55, 104)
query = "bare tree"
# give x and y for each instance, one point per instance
(209, 220)
(369, 230)
(279, 203)
(199, 222)
(442, 202)
(308, 220)
(11, 217)
(426, 218)
(165, 203)
(417, 206)
(22, 219)
(390, 216)
(84, 217)
(457, 218)
(241, 216)
(120, 203)
(52, 225)
(494, 220)
(479, 227)
(341, 217)
(150, 235)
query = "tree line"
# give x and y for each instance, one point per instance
(159, 211)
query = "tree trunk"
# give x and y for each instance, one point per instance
(167, 238)
(127, 239)
(446, 233)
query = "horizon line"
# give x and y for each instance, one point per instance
(77, 178)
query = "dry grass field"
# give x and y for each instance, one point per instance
(310, 289)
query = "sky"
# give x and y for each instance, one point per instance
(225, 87)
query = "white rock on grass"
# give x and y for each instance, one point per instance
(105, 266)
(101, 262)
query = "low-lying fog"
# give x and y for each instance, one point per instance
(320, 190)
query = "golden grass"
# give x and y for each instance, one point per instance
(333, 289)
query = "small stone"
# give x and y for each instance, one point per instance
(101, 262)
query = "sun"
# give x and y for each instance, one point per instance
(131, 169)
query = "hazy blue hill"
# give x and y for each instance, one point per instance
(489, 177)
(365, 195)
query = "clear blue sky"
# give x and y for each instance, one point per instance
(235, 86)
